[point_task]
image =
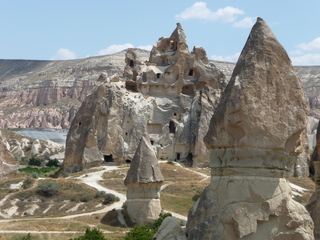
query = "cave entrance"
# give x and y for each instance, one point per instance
(128, 161)
(131, 63)
(172, 127)
(178, 156)
(108, 158)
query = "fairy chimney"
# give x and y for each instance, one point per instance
(254, 138)
(143, 182)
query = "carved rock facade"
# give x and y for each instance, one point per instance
(171, 97)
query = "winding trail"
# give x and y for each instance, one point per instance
(91, 179)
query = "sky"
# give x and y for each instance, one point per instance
(71, 29)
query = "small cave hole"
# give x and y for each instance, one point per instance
(131, 63)
(79, 123)
(158, 75)
(108, 158)
(172, 128)
(190, 72)
(178, 155)
(128, 161)
(152, 142)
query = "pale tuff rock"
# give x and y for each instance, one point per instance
(8, 164)
(313, 205)
(254, 137)
(144, 180)
(170, 229)
(171, 97)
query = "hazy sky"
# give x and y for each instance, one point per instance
(68, 29)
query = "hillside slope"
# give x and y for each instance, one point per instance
(48, 93)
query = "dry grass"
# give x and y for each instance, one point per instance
(183, 190)
(71, 193)
(114, 180)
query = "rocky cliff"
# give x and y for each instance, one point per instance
(49, 93)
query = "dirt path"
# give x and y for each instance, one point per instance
(91, 179)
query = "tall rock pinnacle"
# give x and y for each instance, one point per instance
(254, 137)
(144, 180)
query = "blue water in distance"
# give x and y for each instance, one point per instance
(55, 135)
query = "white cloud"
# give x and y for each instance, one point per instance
(200, 11)
(307, 53)
(313, 46)
(306, 59)
(115, 48)
(247, 22)
(146, 47)
(64, 54)
(231, 58)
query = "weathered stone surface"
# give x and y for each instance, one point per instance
(171, 97)
(8, 164)
(48, 93)
(254, 138)
(170, 229)
(313, 205)
(144, 180)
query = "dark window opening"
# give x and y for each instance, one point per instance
(131, 87)
(152, 142)
(108, 158)
(174, 114)
(187, 90)
(128, 161)
(190, 72)
(178, 156)
(161, 145)
(158, 75)
(172, 128)
(126, 134)
(79, 123)
(131, 63)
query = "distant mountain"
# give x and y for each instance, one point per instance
(48, 93)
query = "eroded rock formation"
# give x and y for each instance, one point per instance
(254, 138)
(144, 180)
(171, 96)
(8, 164)
(313, 205)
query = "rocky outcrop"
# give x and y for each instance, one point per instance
(8, 164)
(254, 139)
(171, 97)
(48, 93)
(143, 182)
(170, 229)
(313, 205)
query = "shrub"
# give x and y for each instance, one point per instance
(28, 237)
(64, 174)
(91, 234)
(85, 198)
(34, 175)
(100, 194)
(110, 198)
(48, 189)
(27, 182)
(53, 163)
(35, 162)
(146, 232)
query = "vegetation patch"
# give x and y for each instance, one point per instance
(41, 172)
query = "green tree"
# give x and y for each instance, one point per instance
(91, 234)
(148, 231)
